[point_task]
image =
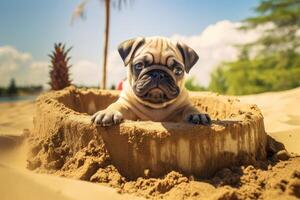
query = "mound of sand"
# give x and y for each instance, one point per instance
(275, 178)
(66, 144)
(148, 149)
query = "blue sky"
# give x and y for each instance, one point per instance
(32, 26)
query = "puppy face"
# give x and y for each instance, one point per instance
(156, 68)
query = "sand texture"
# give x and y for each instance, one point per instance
(14, 117)
(277, 177)
(236, 136)
(281, 112)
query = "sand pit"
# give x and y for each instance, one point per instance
(147, 149)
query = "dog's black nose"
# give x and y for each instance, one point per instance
(157, 75)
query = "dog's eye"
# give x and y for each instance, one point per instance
(138, 66)
(178, 71)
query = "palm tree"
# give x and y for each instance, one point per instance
(80, 12)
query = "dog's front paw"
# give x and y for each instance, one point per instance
(107, 117)
(199, 118)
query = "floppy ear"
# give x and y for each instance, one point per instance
(189, 56)
(127, 48)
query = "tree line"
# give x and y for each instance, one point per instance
(275, 65)
(13, 90)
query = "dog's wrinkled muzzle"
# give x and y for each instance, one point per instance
(156, 84)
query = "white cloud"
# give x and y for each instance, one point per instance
(38, 73)
(89, 73)
(11, 58)
(214, 45)
(85, 73)
(21, 67)
(27, 71)
(116, 70)
(11, 51)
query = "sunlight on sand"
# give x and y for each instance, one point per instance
(281, 111)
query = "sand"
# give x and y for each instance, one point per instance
(281, 112)
(14, 117)
(236, 136)
(19, 183)
(276, 178)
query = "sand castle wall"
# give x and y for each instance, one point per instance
(152, 149)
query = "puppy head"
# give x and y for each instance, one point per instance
(156, 68)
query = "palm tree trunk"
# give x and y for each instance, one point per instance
(105, 47)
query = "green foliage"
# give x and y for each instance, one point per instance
(14, 90)
(192, 85)
(2, 91)
(277, 65)
(274, 72)
(218, 82)
(284, 15)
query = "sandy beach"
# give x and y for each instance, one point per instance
(15, 117)
(281, 112)
(282, 121)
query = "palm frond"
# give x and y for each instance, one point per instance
(79, 11)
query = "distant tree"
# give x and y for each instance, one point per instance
(192, 85)
(218, 82)
(283, 19)
(12, 89)
(80, 12)
(113, 87)
(59, 73)
(276, 65)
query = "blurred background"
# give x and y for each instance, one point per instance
(244, 47)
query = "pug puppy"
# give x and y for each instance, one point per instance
(154, 89)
